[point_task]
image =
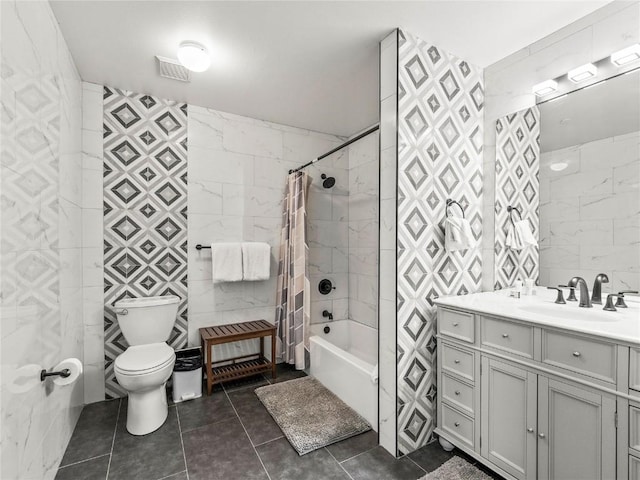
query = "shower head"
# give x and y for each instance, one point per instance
(328, 181)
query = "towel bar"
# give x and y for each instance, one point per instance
(451, 202)
(200, 247)
(511, 209)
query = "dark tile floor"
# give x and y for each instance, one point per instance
(227, 436)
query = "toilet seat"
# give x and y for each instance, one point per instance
(144, 359)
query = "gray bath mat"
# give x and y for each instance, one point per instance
(456, 469)
(309, 415)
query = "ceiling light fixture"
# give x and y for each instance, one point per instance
(194, 56)
(626, 55)
(582, 73)
(558, 166)
(546, 87)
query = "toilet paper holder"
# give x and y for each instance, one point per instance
(62, 373)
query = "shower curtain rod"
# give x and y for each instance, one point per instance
(339, 147)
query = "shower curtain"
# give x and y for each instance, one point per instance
(293, 298)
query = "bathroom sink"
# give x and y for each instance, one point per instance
(572, 311)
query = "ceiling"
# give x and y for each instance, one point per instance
(311, 64)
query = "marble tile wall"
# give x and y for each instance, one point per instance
(387, 293)
(41, 238)
(364, 172)
(92, 242)
(589, 213)
(440, 110)
(509, 81)
(237, 172)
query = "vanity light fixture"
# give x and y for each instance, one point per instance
(194, 56)
(544, 88)
(626, 55)
(582, 73)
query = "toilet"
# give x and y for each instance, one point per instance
(144, 368)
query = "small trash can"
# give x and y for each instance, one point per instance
(187, 374)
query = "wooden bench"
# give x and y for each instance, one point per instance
(237, 367)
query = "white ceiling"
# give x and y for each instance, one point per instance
(308, 64)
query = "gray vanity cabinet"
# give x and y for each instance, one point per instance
(508, 418)
(532, 402)
(576, 432)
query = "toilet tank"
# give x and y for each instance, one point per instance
(147, 319)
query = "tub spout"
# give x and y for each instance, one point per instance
(327, 313)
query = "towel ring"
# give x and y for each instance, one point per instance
(511, 209)
(451, 202)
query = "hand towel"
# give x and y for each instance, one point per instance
(226, 262)
(256, 261)
(457, 234)
(524, 232)
(513, 240)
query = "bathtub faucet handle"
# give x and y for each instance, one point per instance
(327, 313)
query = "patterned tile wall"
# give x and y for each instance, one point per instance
(517, 184)
(145, 210)
(440, 108)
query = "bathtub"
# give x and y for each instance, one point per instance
(345, 360)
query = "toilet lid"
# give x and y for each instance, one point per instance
(141, 358)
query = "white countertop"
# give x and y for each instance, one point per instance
(622, 325)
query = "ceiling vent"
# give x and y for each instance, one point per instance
(172, 69)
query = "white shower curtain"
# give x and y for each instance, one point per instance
(293, 299)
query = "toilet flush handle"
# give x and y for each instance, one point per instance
(124, 311)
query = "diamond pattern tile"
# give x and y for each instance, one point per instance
(517, 184)
(439, 157)
(145, 164)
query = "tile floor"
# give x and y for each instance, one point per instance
(227, 436)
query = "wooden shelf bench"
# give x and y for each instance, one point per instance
(237, 367)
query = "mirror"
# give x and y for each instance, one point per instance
(579, 156)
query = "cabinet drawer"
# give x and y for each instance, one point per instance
(458, 361)
(507, 336)
(634, 369)
(457, 424)
(580, 354)
(634, 468)
(458, 394)
(634, 429)
(456, 324)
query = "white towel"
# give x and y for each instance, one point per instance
(256, 261)
(226, 262)
(457, 234)
(519, 235)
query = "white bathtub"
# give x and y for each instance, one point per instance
(345, 360)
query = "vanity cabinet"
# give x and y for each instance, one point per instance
(531, 402)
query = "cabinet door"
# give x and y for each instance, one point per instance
(508, 419)
(576, 433)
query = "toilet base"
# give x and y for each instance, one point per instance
(147, 410)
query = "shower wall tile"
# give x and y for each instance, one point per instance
(40, 247)
(440, 112)
(237, 171)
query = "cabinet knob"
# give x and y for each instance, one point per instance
(505, 335)
(530, 430)
(456, 361)
(455, 324)
(457, 424)
(457, 392)
(576, 354)
(541, 435)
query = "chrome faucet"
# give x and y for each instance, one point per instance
(585, 301)
(596, 294)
